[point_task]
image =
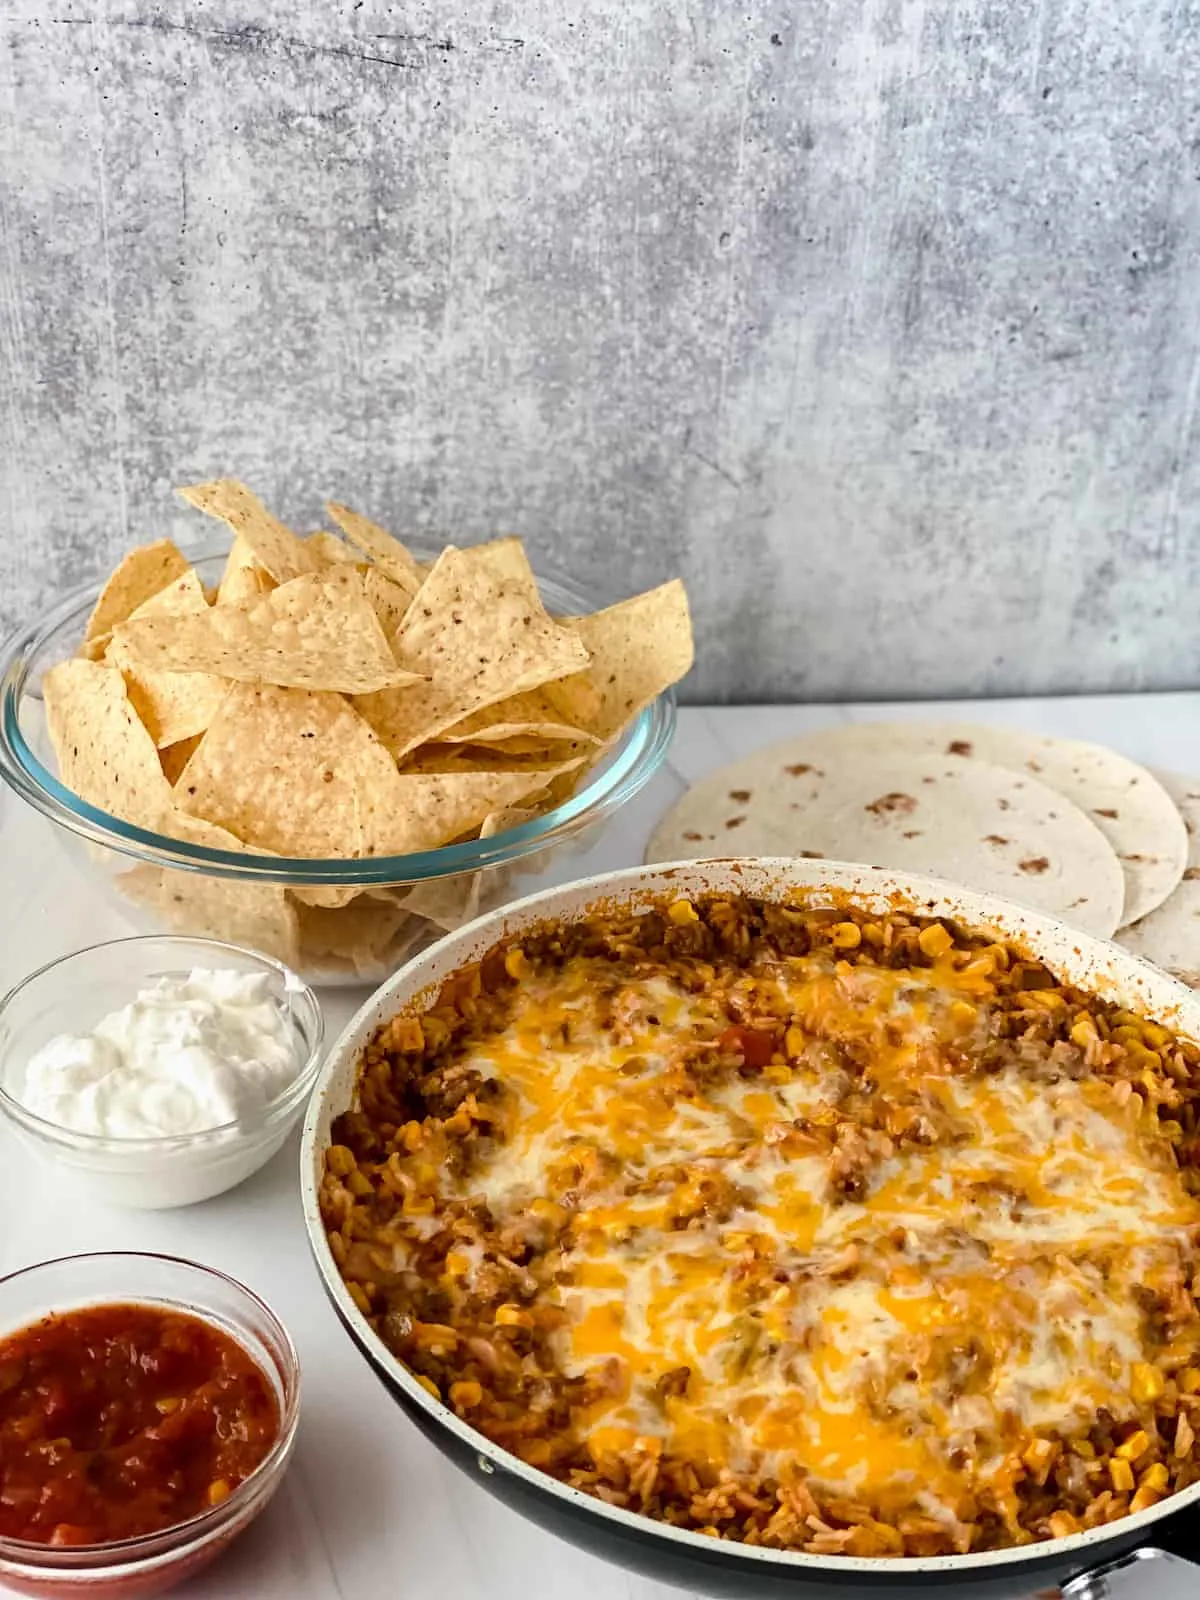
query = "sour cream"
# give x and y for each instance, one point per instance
(186, 1055)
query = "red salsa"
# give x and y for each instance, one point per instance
(122, 1420)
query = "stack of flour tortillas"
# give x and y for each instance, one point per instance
(1073, 829)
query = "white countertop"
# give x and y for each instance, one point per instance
(369, 1509)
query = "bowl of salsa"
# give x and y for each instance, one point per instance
(148, 1410)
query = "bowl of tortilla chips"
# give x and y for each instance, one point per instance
(329, 747)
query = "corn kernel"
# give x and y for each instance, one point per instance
(511, 1316)
(1135, 1447)
(1155, 1036)
(466, 1394)
(359, 1295)
(1155, 1477)
(1120, 1475)
(681, 912)
(1062, 1523)
(457, 1263)
(407, 1034)
(935, 940)
(429, 1386)
(1083, 1033)
(846, 936)
(1189, 1380)
(412, 1136)
(1147, 1382)
(1143, 1499)
(795, 1041)
(515, 963)
(165, 1406)
(219, 1489)
(340, 1160)
(962, 1016)
(1039, 1454)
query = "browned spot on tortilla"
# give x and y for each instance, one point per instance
(913, 833)
(799, 769)
(734, 822)
(994, 838)
(1105, 811)
(740, 795)
(693, 837)
(1035, 864)
(1133, 857)
(1004, 805)
(813, 855)
(1191, 874)
(893, 804)
(1034, 766)
(960, 747)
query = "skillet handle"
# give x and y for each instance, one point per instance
(1136, 1576)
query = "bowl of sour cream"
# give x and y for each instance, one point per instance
(160, 1070)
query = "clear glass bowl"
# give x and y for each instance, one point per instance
(337, 922)
(71, 995)
(131, 1568)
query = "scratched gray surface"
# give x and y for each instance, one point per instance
(877, 319)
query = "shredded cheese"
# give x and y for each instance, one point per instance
(893, 1335)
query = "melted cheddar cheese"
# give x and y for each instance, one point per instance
(877, 1261)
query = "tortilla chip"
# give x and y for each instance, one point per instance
(297, 772)
(448, 902)
(174, 706)
(142, 574)
(104, 753)
(174, 757)
(529, 715)
(453, 901)
(638, 648)
(505, 561)
(457, 758)
(271, 542)
(480, 639)
(302, 774)
(317, 632)
(253, 914)
(387, 599)
(359, 933)
(519, 749)
(331, 551)
(329, 895)
(243, 580)
(438, 807)
(392, 558)
(183, 594)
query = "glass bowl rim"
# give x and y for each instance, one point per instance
(169, 1543)
(640, 750)
(276, 1110)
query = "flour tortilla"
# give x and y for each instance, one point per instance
(1170, 935)
(976, 824)
(1132, 810)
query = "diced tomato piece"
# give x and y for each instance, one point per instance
(754, 1045)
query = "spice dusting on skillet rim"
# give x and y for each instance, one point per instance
(845, 1232)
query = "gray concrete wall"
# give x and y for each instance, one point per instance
(877, 319)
